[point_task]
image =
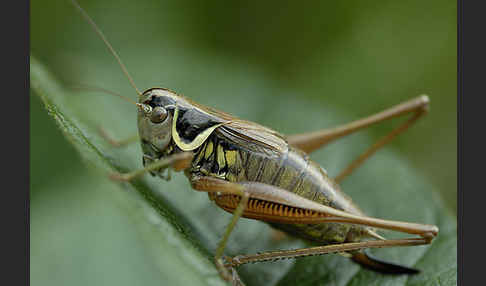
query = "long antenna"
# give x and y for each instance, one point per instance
(102, 36)
(100, 89)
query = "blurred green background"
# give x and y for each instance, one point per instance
(356, 57)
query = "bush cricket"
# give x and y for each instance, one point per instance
(255, 172)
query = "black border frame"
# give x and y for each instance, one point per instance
(470, 81)
(15, 117)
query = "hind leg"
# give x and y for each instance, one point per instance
(244, 204)
(312, 141)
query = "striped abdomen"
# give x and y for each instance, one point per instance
(291, 170)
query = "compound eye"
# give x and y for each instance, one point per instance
(159, 114)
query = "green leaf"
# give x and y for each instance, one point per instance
(181, 227)
(161, 227)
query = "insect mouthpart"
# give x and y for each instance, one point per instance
(154, 128)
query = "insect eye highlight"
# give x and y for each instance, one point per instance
(158, 115)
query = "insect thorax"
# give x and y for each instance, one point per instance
(217, 157)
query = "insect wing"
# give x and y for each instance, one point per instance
(257, 135)
(243, 132)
